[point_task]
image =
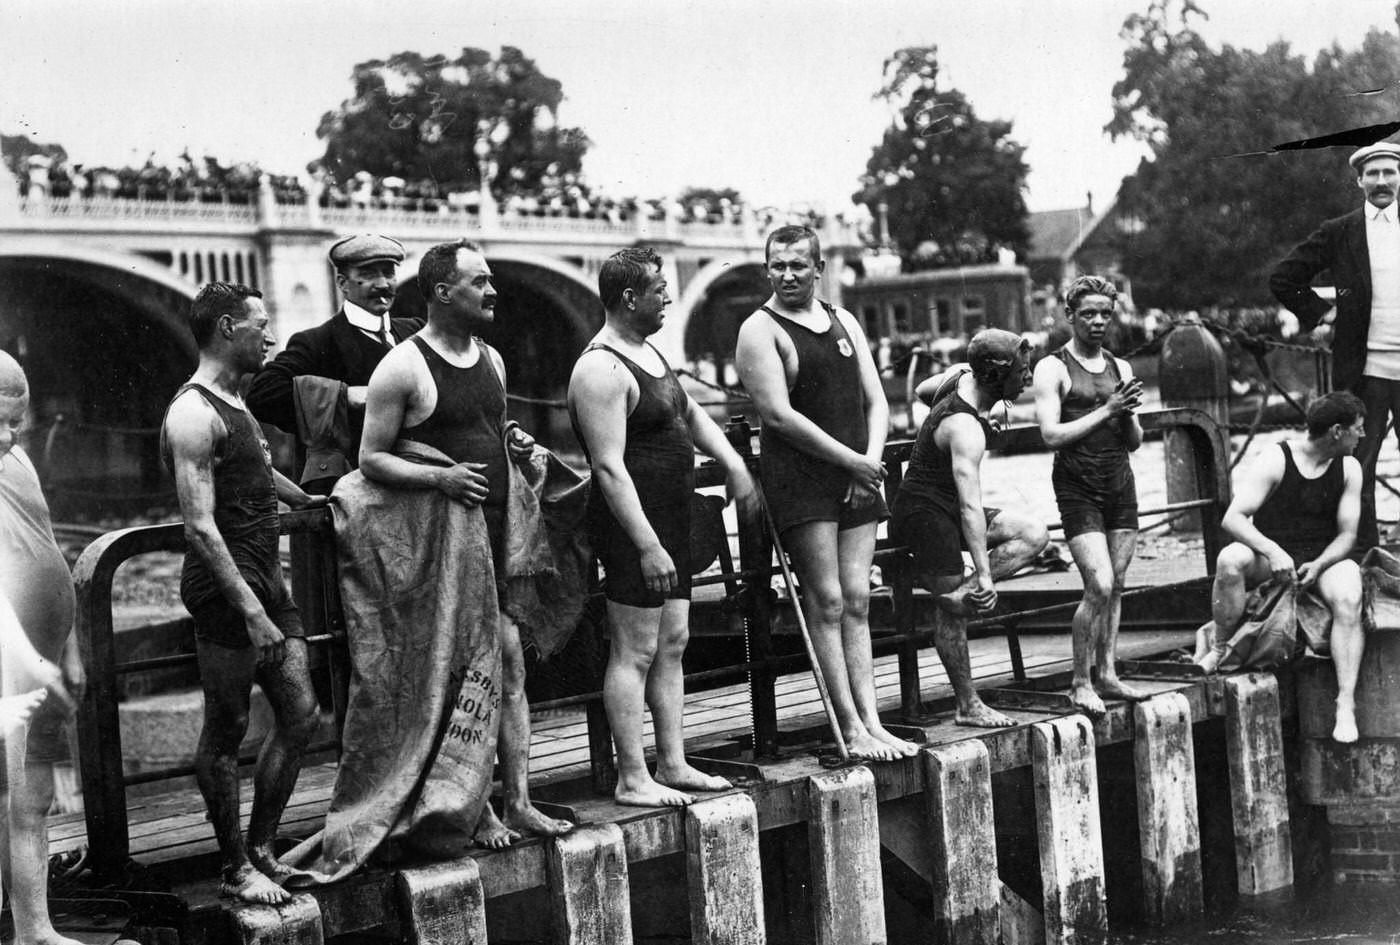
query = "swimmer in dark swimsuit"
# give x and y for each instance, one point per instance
(1085, 399)
(640, 431)
(809, 370)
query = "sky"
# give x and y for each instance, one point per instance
(773, 98)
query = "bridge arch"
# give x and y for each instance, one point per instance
(103, 338)
(715, 302)
(546, 310)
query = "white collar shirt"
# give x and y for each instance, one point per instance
(376, 326)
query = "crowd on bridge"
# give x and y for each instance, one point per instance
(558, 193)
(461, 541)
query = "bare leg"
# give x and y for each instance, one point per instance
(1090, 552)
(1236, 570)
(1340, 587)
(289, 692)
(813, 548)
(1013, 541)
(1121, 545)
(666, 699)
(514, 749)
(226, 674)
(635, 633)
(27, 841)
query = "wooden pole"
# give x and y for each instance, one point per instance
(1167, 819)
(726, 879)
(1071, 841)
(844, 839)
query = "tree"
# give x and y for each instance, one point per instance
(1216, 205)
(421, 117)
(18, 149)
(953, 182)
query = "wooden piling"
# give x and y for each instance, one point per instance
(292, 923)
(844, 840)
(1258, 785)
(1170, 833)
(726, 880)
(1071, 842)
(443, 904)
(586, 869)
(962, 843)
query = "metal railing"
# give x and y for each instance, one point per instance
(748, 592)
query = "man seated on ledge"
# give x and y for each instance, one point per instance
(939, 513)
(1295, 514)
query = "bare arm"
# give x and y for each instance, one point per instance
(294, 495)
(599, 391)
(967, 444)
(1050, 384)
(877, 408)
(392, 389)
(1132, 426)
(193, 430)
(764, 376)
(712, 442)
(1251, 490)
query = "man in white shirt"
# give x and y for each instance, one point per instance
(1362, 252)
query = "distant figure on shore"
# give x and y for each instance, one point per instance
(246, 627)
(809, 370)
(1294, 516)
(938, 511)
(1361, 250)
(640, 431)
(39, 666)
(1085, 400)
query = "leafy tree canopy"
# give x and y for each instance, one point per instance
(953, 182)
(1214, 205)
(420, 117)
(19, 148)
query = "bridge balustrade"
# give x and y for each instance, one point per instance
(748, 593)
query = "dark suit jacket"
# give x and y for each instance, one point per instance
(334, 349)
(1339, 246)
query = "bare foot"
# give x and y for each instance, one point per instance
(1085, 698)
(866, 747)
(53, 938)
(528, 819)
(248, 884)
(686, 778)
(1345, 729)
(1211, 661)
(648, 793)
(15, 710)
(906, 749)
(981, 715)
(1114, 688)
(1204, 644)
(956, 603)
(271, 867)
(491, 833)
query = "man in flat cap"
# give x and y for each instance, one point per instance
(1362, 251)
(302, 386)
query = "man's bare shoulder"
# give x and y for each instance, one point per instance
(598, 371)
(1049, 369)
(191, 421)
(402, 367)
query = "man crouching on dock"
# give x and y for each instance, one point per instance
(246, 627)
(1295, 515)
(640, 429)
(938, 511)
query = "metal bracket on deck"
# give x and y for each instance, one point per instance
(737, 772)
(1029, 700)
(1161, 669)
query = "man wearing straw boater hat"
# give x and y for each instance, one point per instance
(640, 431)
(1361, 249)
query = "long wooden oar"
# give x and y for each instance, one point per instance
(802, 625)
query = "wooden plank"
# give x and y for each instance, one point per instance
(962, 842)
(844, 839)
(442, 904)
(293, 923)
(1258, 784)
(1165, 762)
(1071, 842)
(726, 879)
(588, 888)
